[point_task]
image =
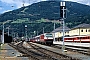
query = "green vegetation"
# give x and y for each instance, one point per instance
(21, 20)
(42, 20)
(42, 14)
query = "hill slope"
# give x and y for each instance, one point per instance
(36, 14)
(47, 9)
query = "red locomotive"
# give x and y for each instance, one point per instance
(77, 39)
(46, 38)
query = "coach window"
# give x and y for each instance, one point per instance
(81, 30)
(87, 37)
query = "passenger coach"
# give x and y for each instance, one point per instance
(77, 39)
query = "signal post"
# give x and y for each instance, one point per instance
(63, 16)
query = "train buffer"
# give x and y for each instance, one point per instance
(9, 53)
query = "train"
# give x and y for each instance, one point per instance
(46, 38)
(83, 38)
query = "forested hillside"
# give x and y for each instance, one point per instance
(43, 14)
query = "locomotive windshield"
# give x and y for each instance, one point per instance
(49, 35)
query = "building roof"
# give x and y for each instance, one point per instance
(60, 29)
(84, 25)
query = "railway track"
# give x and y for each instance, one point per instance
(58, 56)
(79, 49)
(70, 53)
(50, 53)
(31, 53)
(37, 53)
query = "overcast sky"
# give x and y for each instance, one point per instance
(86, 2)
(6, 5)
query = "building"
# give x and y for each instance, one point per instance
(59, 32)
(82, 29)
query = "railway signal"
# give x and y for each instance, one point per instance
(62, 10)
(63, 15)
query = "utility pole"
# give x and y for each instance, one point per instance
(8, 29)
(3, 34)
(37, 32)
(26, 31)
(43, 30)
(62, 14)
(34, 33)
(54, 30)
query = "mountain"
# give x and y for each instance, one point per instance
(47, 10)
(42, 14)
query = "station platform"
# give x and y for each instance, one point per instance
(9, 53)
(72, 43)
(68, 53)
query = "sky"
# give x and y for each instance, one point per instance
(8, 5)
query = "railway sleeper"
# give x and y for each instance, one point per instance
(64, 57)
(49, 58)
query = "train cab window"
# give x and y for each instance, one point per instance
(81, 30)
(49, 35)
(86, 30)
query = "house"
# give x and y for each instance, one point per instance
(58, 32)
(82, 29)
